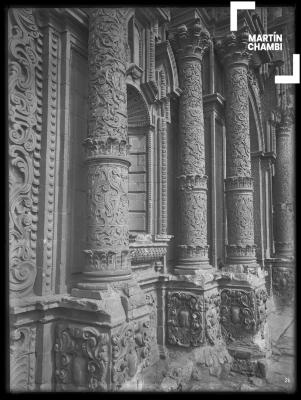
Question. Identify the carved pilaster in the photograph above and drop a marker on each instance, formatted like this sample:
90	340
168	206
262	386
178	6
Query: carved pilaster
107	251
239	184
25	123
190	43
23	359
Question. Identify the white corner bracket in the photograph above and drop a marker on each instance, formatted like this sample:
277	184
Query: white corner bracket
295	78
239	5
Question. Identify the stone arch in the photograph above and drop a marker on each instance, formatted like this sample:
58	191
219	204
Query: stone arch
137	107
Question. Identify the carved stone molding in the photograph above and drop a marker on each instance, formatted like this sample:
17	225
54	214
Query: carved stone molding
242	312
81	358
22	359
130	352
25	122
185	319
240	183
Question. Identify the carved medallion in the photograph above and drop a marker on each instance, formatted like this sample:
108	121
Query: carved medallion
185	321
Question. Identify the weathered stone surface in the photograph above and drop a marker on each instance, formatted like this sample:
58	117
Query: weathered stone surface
96	113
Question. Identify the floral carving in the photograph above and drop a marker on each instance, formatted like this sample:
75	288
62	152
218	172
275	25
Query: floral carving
242	312
107	216
107	69
25	93
22	359
192	182
212	318
240	217
130	348
237	117
185	320
81	358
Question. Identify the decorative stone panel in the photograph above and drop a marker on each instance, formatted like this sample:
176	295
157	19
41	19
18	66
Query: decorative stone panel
24	124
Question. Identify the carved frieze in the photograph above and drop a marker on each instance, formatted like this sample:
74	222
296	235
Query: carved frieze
81	358
22	359
146	254
185	319
130	351
242	312
25	121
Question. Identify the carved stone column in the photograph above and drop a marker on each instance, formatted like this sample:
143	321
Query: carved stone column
284	232
243	294
283	275
190	43
107	251
239	183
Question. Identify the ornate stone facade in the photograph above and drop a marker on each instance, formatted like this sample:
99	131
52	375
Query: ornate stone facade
141	142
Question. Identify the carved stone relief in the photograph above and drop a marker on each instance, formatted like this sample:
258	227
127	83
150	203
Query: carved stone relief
81	358
212	319
185	319
25	121
242	312
130	351
22	359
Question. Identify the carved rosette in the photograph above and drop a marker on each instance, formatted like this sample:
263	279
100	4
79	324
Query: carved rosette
190	43
284	208
81	358
131	349
107	251
185	319
238	184
25	122
243	312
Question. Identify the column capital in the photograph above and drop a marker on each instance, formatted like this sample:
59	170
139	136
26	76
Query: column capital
233	48
190	40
